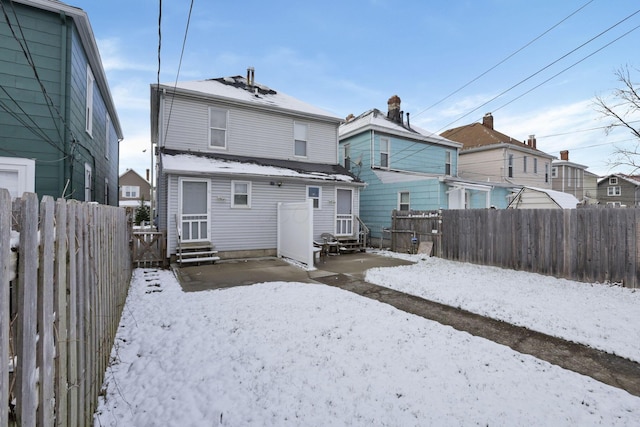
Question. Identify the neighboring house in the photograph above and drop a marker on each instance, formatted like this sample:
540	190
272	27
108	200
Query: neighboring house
406	168
618	190
229	150
59	126
542	198
489	155
568	177
134	189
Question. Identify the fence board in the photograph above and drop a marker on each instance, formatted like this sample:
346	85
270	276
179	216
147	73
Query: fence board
5	314
60	301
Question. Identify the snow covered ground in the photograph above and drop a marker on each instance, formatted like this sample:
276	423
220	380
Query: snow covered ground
276	354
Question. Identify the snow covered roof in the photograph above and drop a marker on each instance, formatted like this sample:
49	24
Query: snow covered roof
563	200
377	120
174	161
237	89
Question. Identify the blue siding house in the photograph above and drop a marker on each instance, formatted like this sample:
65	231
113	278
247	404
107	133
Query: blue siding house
59	126
406	168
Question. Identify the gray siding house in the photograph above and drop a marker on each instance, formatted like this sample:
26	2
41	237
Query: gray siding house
618	190
59	127
229	150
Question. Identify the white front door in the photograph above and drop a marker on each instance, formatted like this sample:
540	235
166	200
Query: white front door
194	210
344	212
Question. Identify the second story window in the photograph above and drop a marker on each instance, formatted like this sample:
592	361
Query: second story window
314	193
130	191
546	172
300	139
107	137
384	152
346	156
568	172
554	172
535	165
447	163
89	102
218	127
404	201
614	191
524	164
613	180
510	166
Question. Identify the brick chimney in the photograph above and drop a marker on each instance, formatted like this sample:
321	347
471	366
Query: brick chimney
531	142
487	121
564	155
394	109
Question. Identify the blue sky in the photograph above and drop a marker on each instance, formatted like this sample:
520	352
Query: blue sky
351	56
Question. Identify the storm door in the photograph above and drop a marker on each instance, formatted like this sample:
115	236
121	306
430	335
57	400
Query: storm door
194	210
344	212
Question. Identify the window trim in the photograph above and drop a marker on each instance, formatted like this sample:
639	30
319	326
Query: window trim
107	136
225	129
613	180
89	102
447	163
233	195
319	198
130	188
535	165
400	203
510	166
305	126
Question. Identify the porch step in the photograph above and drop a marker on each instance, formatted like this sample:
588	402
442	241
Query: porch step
199	259
196	252
349	245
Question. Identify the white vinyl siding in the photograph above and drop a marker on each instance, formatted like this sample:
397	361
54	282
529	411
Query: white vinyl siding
254	133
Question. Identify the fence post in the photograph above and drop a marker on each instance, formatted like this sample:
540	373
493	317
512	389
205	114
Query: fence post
5	315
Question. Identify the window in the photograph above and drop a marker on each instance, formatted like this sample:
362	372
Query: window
300	139
554	172
240	194
130	191
314	193
569	179
346	156
614	191
535	165
17	175
403	201
613	180
447	163
218	127
546	172
510	166
384	152
106	191
89	102
107	137
524	164
88	182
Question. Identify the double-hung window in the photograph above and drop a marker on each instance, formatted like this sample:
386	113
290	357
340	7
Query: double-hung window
107	137
314	193
240	194
300	139
404	201
384	152
510	166
535	165
130	191
447	163
218	120
524	164
89	102
614	191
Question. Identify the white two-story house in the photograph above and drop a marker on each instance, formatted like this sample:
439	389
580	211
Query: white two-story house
229	150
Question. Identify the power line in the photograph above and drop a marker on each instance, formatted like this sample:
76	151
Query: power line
504	60
538	72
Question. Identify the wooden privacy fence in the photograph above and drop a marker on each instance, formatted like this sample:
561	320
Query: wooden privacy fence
589	245
60	311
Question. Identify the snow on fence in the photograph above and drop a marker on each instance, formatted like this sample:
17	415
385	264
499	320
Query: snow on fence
60	311
586	244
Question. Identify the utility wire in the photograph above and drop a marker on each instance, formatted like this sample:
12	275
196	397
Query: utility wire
532	75
504	60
